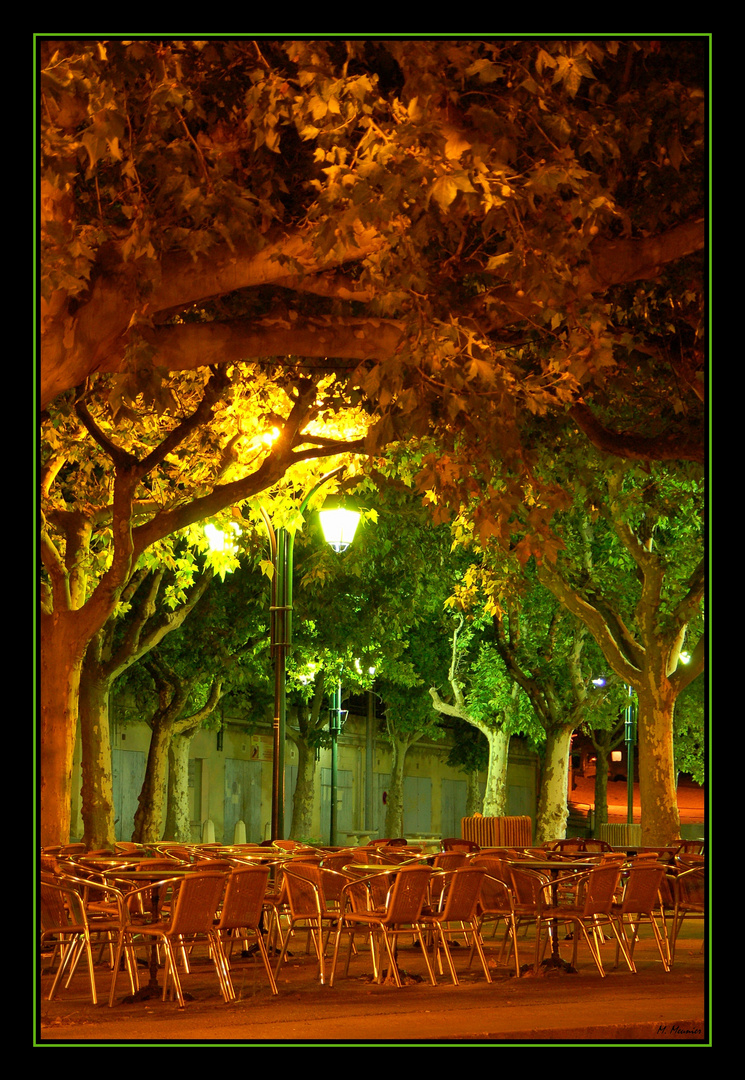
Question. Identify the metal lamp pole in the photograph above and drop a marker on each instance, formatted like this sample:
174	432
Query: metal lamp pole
334	729
280	630
629	727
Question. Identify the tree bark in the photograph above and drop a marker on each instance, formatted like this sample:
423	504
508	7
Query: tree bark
61	661
97	793
178	822
150	813
553	811
394	807
495	796
305	790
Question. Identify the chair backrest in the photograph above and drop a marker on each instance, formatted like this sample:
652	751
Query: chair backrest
456	843
461	893
197	899
591	844
600	889
449	860
493	865
689	887
642	889
527	886
243	902
573	844
155	864
690	847
407	896
61	908
494	896
304	889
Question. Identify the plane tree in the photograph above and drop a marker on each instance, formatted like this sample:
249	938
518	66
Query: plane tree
121	642
215	652
116	484
632	570
483	695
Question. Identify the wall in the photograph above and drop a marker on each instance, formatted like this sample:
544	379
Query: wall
230	779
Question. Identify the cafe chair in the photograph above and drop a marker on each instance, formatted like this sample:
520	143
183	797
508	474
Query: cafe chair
447	860
496	905
590	909
573	845
458	906
240	918
399	913
640	900
193	912
688	900
304	882
65	924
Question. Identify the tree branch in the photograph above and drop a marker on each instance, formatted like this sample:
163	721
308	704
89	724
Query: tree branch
637	447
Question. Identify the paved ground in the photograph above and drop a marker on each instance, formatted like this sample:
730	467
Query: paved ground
648	1008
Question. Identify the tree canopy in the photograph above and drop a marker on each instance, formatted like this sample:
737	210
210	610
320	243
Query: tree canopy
465	229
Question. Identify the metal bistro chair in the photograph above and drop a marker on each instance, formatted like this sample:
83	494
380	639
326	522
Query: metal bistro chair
65	923
459	900
496	905
240	917
639	901
197	897
304	882
688	900
401	913
590	909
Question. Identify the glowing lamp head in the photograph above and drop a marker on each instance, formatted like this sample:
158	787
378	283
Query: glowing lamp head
339	526
219	540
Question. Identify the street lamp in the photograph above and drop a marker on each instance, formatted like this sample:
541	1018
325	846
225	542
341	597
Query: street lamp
629	728
339	525
281	542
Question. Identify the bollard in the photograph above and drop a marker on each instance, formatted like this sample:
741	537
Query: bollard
208	832
239	833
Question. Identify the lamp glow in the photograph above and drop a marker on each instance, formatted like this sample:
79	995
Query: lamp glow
339	526
219	540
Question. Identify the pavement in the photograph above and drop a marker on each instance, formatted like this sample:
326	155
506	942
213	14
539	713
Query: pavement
579	1008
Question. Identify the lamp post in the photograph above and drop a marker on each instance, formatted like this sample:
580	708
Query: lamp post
338	532
629	730
335	726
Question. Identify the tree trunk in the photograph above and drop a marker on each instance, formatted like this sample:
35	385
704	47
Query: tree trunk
95	737
149	816
394	807
553	810
61	661
305	789
657	788
474	800
601	790
178	821
495	796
